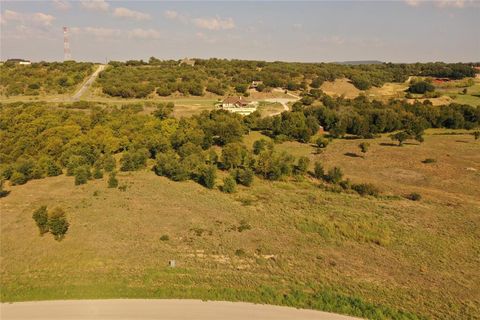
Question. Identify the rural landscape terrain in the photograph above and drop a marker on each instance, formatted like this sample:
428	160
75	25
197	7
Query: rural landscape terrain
212	160
349	188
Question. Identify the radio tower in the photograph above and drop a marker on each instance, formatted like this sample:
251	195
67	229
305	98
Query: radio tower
66	46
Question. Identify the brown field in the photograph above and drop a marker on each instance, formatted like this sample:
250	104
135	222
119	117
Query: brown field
340	87
421	257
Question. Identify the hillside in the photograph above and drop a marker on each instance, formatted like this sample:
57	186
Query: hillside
288	242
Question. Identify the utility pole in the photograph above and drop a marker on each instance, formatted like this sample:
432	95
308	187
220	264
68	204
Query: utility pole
66	45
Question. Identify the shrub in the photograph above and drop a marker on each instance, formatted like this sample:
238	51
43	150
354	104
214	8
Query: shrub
334	175
244	225
476	135
18	178
414	196
112	180
240	253
82	174
208	175
322	142
57	223
3	193
164	237
429	160
41	219
97	173
421	87
302	165
229	185
366	189
318	171
244	176
364	147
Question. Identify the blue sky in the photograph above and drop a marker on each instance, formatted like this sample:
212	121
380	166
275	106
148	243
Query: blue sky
321	31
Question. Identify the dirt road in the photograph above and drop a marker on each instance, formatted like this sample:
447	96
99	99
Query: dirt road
283	101
156	309
87	83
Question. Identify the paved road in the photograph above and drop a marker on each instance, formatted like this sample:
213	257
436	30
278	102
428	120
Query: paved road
88	83
156	309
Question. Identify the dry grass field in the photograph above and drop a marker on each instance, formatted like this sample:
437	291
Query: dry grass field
340	87
288	242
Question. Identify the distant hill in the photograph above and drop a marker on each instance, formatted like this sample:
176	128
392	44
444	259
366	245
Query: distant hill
361	62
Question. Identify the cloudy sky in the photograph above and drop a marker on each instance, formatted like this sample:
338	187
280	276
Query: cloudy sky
396	31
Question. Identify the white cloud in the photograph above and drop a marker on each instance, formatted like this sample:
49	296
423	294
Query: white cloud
61	4
43	19
9	15
96	5
130	14
214	23
170	14
144	34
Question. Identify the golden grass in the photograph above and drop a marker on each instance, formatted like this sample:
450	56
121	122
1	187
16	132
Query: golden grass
418	256
340	87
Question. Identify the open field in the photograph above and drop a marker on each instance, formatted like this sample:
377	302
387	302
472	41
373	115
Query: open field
305	247
340	87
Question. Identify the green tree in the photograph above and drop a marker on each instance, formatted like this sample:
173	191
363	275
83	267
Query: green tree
302	165
318	170
163	110
233	155
57	223
41	219
244	176
112	180
229	185
334	175
97	172
401	137
322	142
208	175
82	174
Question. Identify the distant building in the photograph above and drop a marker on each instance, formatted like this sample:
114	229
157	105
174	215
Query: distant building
238	105
19	61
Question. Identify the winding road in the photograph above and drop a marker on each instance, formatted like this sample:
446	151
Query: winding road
283	101
87	83
171	309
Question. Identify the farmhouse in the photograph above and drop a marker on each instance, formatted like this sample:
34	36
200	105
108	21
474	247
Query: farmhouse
238	105
19	62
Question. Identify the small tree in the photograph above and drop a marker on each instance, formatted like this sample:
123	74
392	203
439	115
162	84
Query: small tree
41	219
57	223
82	174
229	184
112	180
476	135
318	170
302	165
322	142
244	176
334	175
364	147
401	137
208	175
97	173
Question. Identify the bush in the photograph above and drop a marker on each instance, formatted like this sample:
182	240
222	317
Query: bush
429	160
164	238
82	174
57	223
18	178
414	196
229	185
318	171
3	193
97	173
112	180
302	165
421	87
322	142
244	176
334	175
41	219
366	189
208	175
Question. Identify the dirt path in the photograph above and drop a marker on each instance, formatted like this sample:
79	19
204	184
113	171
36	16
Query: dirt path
87	83
157	309
283	101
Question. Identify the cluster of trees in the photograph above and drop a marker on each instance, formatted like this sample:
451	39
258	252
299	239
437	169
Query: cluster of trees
53	221
42	77
138	79
362	117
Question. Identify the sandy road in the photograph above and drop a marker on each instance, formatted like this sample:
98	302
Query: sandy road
173	309
87	83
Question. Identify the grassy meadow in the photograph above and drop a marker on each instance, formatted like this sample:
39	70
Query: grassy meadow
288	242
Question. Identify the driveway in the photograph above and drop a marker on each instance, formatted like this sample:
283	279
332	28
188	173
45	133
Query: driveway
87	83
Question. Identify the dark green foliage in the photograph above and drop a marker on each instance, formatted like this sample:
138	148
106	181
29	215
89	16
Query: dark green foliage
168	164
414	196
112	180
302	165
401	137
82	174
57	223
164	237
108	162
244	176
97	173
476	135
334	175
41	219
364	146
259	146
133	160
272	165
361	83
18	178
163	110
244	225
322	142
421	87
229	184
318	171
233	155
208	175
366	189
429	160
